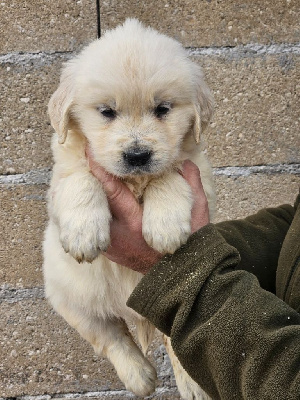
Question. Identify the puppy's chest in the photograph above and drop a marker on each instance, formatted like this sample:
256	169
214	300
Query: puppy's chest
138	185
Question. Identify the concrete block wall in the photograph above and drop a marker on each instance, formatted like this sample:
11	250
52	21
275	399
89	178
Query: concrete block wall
250	53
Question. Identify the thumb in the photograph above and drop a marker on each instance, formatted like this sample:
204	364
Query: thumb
192	175
200	211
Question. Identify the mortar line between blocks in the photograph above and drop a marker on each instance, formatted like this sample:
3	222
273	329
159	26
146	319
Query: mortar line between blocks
272	169
87	395
42	176
13	295
238	51
247	50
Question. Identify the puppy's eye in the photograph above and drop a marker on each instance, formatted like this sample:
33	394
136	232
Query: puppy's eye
107	112
162	110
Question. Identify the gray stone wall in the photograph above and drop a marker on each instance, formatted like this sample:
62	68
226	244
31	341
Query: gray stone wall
250	53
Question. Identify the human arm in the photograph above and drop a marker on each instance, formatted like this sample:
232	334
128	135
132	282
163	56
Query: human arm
259	239
235	339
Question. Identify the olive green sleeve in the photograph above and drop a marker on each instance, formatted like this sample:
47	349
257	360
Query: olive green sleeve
259	239
235	339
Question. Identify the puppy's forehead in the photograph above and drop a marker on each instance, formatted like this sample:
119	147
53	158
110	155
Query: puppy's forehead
150	67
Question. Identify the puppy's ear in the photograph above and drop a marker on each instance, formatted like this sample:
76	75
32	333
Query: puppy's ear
59	107
204	104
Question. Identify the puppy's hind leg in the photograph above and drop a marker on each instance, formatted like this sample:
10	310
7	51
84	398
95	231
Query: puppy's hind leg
188	388
134	370
145	333
110	338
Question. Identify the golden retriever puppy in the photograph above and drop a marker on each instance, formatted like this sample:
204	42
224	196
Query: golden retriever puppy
141	105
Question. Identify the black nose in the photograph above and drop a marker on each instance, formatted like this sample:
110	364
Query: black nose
137	157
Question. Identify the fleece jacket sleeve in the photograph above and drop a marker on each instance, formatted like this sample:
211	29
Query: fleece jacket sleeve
258	239
236	340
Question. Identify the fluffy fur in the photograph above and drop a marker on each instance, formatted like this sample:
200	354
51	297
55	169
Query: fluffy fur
141	104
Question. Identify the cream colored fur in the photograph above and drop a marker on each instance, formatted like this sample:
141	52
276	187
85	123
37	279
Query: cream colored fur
131	71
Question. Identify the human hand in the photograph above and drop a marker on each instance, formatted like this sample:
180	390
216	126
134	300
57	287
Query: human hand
127	245
200	210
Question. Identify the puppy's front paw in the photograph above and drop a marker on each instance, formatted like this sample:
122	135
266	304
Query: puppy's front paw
167	230
167	213
86	234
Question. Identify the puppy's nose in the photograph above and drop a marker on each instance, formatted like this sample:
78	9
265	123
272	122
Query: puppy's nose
137	157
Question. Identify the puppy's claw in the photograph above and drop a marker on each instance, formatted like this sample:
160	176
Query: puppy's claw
82	258
89	260
87	257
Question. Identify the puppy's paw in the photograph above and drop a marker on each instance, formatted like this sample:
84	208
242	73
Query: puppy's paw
168	230
168	203
86	234
139	377
189	389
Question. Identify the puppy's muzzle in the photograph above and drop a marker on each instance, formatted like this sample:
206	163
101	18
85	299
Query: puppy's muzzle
137	157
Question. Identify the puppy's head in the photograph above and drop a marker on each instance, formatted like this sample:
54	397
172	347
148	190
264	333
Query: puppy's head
136	97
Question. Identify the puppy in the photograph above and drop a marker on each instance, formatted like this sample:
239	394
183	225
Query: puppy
141	105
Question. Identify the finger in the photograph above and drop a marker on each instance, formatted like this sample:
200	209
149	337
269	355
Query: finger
191	174
200	212
122	202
